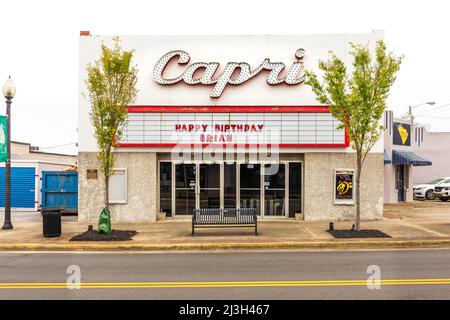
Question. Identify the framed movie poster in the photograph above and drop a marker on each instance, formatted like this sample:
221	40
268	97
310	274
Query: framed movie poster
344	180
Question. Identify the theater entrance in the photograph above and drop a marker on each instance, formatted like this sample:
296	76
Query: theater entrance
275	190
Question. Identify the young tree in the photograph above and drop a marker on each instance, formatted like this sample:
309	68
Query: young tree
357	100
111	83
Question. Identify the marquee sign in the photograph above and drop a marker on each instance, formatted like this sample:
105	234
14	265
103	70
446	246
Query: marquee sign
170	126
226	77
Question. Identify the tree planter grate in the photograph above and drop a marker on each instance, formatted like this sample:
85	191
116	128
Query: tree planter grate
366	233
115	235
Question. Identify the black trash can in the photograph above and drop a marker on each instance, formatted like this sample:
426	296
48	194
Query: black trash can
51	222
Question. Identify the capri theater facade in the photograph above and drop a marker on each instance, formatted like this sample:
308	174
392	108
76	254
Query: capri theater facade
226	122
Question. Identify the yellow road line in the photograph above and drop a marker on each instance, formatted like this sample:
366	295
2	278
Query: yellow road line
221	284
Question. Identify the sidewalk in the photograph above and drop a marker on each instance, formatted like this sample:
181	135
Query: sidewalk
420	224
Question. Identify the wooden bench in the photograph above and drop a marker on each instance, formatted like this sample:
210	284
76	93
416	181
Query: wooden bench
229	217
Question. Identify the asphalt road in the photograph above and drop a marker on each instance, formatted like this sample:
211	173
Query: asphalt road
405	274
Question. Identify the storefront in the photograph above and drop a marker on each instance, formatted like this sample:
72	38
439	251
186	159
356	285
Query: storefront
207	132
399	158
224	185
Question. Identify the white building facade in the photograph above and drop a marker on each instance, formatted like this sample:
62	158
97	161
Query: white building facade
227	121
432	146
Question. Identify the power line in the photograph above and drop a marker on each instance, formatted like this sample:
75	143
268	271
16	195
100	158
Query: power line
61	145
432	117
434	109
434	121
444	113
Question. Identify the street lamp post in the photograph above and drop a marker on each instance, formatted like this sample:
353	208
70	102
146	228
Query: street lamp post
9	91
411	118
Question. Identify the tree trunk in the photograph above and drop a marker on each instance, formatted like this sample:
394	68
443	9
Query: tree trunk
107	193
358	190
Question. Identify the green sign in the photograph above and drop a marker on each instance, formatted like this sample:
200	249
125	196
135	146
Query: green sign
3	138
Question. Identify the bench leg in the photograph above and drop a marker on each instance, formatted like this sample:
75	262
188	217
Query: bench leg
256	229
192	230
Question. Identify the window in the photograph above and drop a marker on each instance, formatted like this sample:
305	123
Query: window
436	181
118	186
274	189
295	188
229	192
250	180
165	188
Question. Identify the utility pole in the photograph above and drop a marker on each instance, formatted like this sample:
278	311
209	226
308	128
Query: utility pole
411	118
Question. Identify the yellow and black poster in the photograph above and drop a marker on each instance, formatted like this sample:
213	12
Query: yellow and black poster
344	185
401	134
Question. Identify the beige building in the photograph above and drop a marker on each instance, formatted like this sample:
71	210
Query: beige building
25	151
210	133
27	167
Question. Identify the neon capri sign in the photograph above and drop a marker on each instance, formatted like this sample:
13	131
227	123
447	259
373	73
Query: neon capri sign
228	75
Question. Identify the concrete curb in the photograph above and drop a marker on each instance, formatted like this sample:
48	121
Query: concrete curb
394	244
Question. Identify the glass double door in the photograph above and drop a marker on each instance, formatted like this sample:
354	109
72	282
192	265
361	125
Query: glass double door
196	191
266	182
273	189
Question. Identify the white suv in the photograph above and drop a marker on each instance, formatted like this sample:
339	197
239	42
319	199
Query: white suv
442	191
427	190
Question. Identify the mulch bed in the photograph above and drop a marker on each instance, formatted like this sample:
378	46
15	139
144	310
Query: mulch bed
367	233
115	235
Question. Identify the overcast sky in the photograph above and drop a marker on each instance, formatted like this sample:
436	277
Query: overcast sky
39	47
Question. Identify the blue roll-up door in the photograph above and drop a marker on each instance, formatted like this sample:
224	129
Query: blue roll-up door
23	185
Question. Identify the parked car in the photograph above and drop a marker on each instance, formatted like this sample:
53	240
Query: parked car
427	190
442	191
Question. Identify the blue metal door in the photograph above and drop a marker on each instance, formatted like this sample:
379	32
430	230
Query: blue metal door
23	188
60	190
